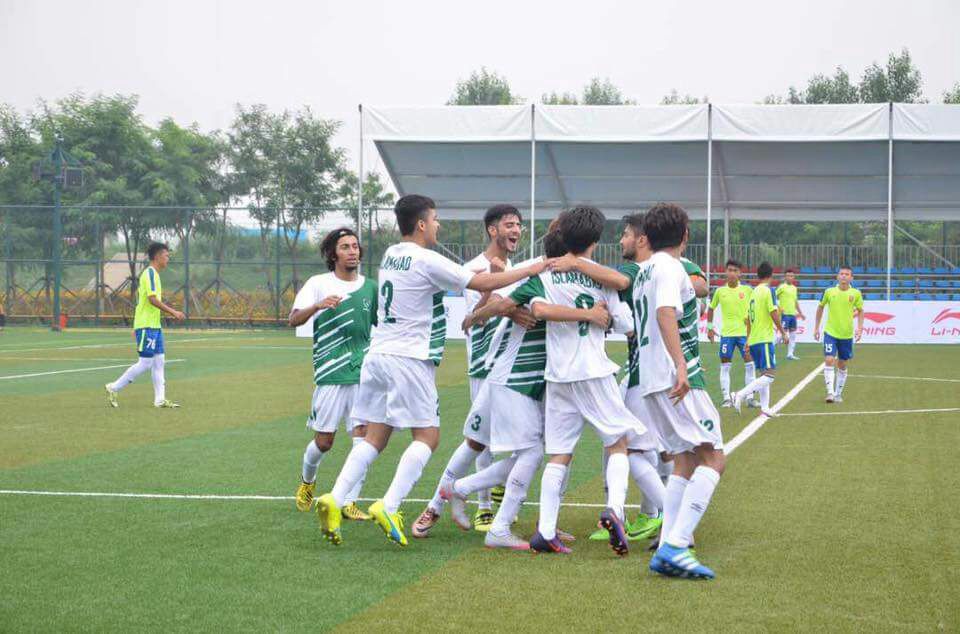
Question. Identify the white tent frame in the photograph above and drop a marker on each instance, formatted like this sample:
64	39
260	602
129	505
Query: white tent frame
912	131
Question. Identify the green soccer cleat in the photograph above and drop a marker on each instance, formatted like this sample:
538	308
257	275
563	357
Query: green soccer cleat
483	520
166	404
497	493
390	523
644	527
111	396
599	535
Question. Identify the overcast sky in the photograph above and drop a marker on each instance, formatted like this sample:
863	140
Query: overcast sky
194	60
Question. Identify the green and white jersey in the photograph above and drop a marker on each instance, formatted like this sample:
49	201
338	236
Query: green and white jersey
411	320
480	336
663	282
520	358
341	335
575	350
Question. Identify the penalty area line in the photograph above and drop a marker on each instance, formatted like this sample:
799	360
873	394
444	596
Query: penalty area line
879	412
238	497
758	422
100	367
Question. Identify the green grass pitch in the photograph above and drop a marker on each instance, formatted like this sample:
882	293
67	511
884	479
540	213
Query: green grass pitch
821	522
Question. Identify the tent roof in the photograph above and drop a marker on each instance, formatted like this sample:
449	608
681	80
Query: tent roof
787	162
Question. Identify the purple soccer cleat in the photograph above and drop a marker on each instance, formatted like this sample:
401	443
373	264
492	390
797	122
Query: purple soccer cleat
618	536
539	544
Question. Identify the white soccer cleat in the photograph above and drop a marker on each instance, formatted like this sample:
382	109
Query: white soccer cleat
508	541
837	398
737	401
831	398
458	507
726	402
754	403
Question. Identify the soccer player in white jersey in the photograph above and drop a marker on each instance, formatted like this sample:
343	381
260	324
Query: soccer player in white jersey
397	381
503	224
672	381
581	382
336	309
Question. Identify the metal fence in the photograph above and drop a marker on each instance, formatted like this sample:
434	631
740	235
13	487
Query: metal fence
243	266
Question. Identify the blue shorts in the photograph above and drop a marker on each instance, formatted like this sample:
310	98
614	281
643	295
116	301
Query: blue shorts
149	341
764	356
789	322
841	348
730	344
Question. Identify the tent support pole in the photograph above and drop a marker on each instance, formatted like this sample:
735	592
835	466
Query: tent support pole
889	198
360	176
533	180
709	184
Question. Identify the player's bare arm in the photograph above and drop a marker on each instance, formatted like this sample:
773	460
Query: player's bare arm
522	316
711	335
670	331
173	312
496	306
775	316
604	275
484	282
816	324
597	314
700	286
299	316
859	332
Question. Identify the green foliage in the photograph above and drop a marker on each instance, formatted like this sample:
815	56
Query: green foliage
952	95
602	92
836	89
900	81
674	99
483	88
559	99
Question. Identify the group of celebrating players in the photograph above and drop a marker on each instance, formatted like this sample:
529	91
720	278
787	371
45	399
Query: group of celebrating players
538	371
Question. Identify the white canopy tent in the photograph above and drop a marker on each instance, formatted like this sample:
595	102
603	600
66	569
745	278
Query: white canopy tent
787	162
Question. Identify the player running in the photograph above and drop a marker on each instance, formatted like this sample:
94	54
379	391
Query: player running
342	306
762	317
733	298
790	310
147	330
503	224
674	387
842	302
397	381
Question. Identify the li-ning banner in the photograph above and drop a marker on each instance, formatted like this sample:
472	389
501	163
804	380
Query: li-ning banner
884	322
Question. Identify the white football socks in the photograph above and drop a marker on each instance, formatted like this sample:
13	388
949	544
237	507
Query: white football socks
412	462
749	376
791	342
484	460
130	374
828	377
618	472
550	486
159	382
676	485
456	468
311	462
648	481
518	482
696	499
492	476
755	385
725	380
354	470
355	491
841	381
765	395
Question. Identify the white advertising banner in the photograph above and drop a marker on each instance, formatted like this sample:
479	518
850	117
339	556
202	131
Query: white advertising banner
884	322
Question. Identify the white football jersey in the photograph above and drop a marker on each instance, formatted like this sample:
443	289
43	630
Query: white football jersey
575	350
411	321
480	336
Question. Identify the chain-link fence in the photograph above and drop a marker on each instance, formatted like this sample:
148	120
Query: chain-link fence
243	266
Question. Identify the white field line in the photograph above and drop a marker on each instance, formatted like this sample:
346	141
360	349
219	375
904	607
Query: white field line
101	367
129	343
758	422
878	412
84	359
904	378
224	497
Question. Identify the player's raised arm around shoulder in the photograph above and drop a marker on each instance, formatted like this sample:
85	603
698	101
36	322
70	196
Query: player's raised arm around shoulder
597	314
603	275
492	281
495	306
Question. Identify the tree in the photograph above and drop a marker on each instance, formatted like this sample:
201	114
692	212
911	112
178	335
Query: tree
952	95
558	99
603	93
900	81
836	89
483	88
375	195
674	99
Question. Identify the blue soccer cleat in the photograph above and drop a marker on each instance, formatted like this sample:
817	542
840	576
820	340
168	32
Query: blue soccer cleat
540	544
672	561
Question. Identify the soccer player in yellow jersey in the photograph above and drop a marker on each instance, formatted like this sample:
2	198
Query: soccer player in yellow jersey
789	310
147	330
843	302
763	316
733	298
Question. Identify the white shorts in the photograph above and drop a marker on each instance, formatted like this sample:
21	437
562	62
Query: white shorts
516	420
477	425
597	401
475	385
681	428
633	399
397	391
330	405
